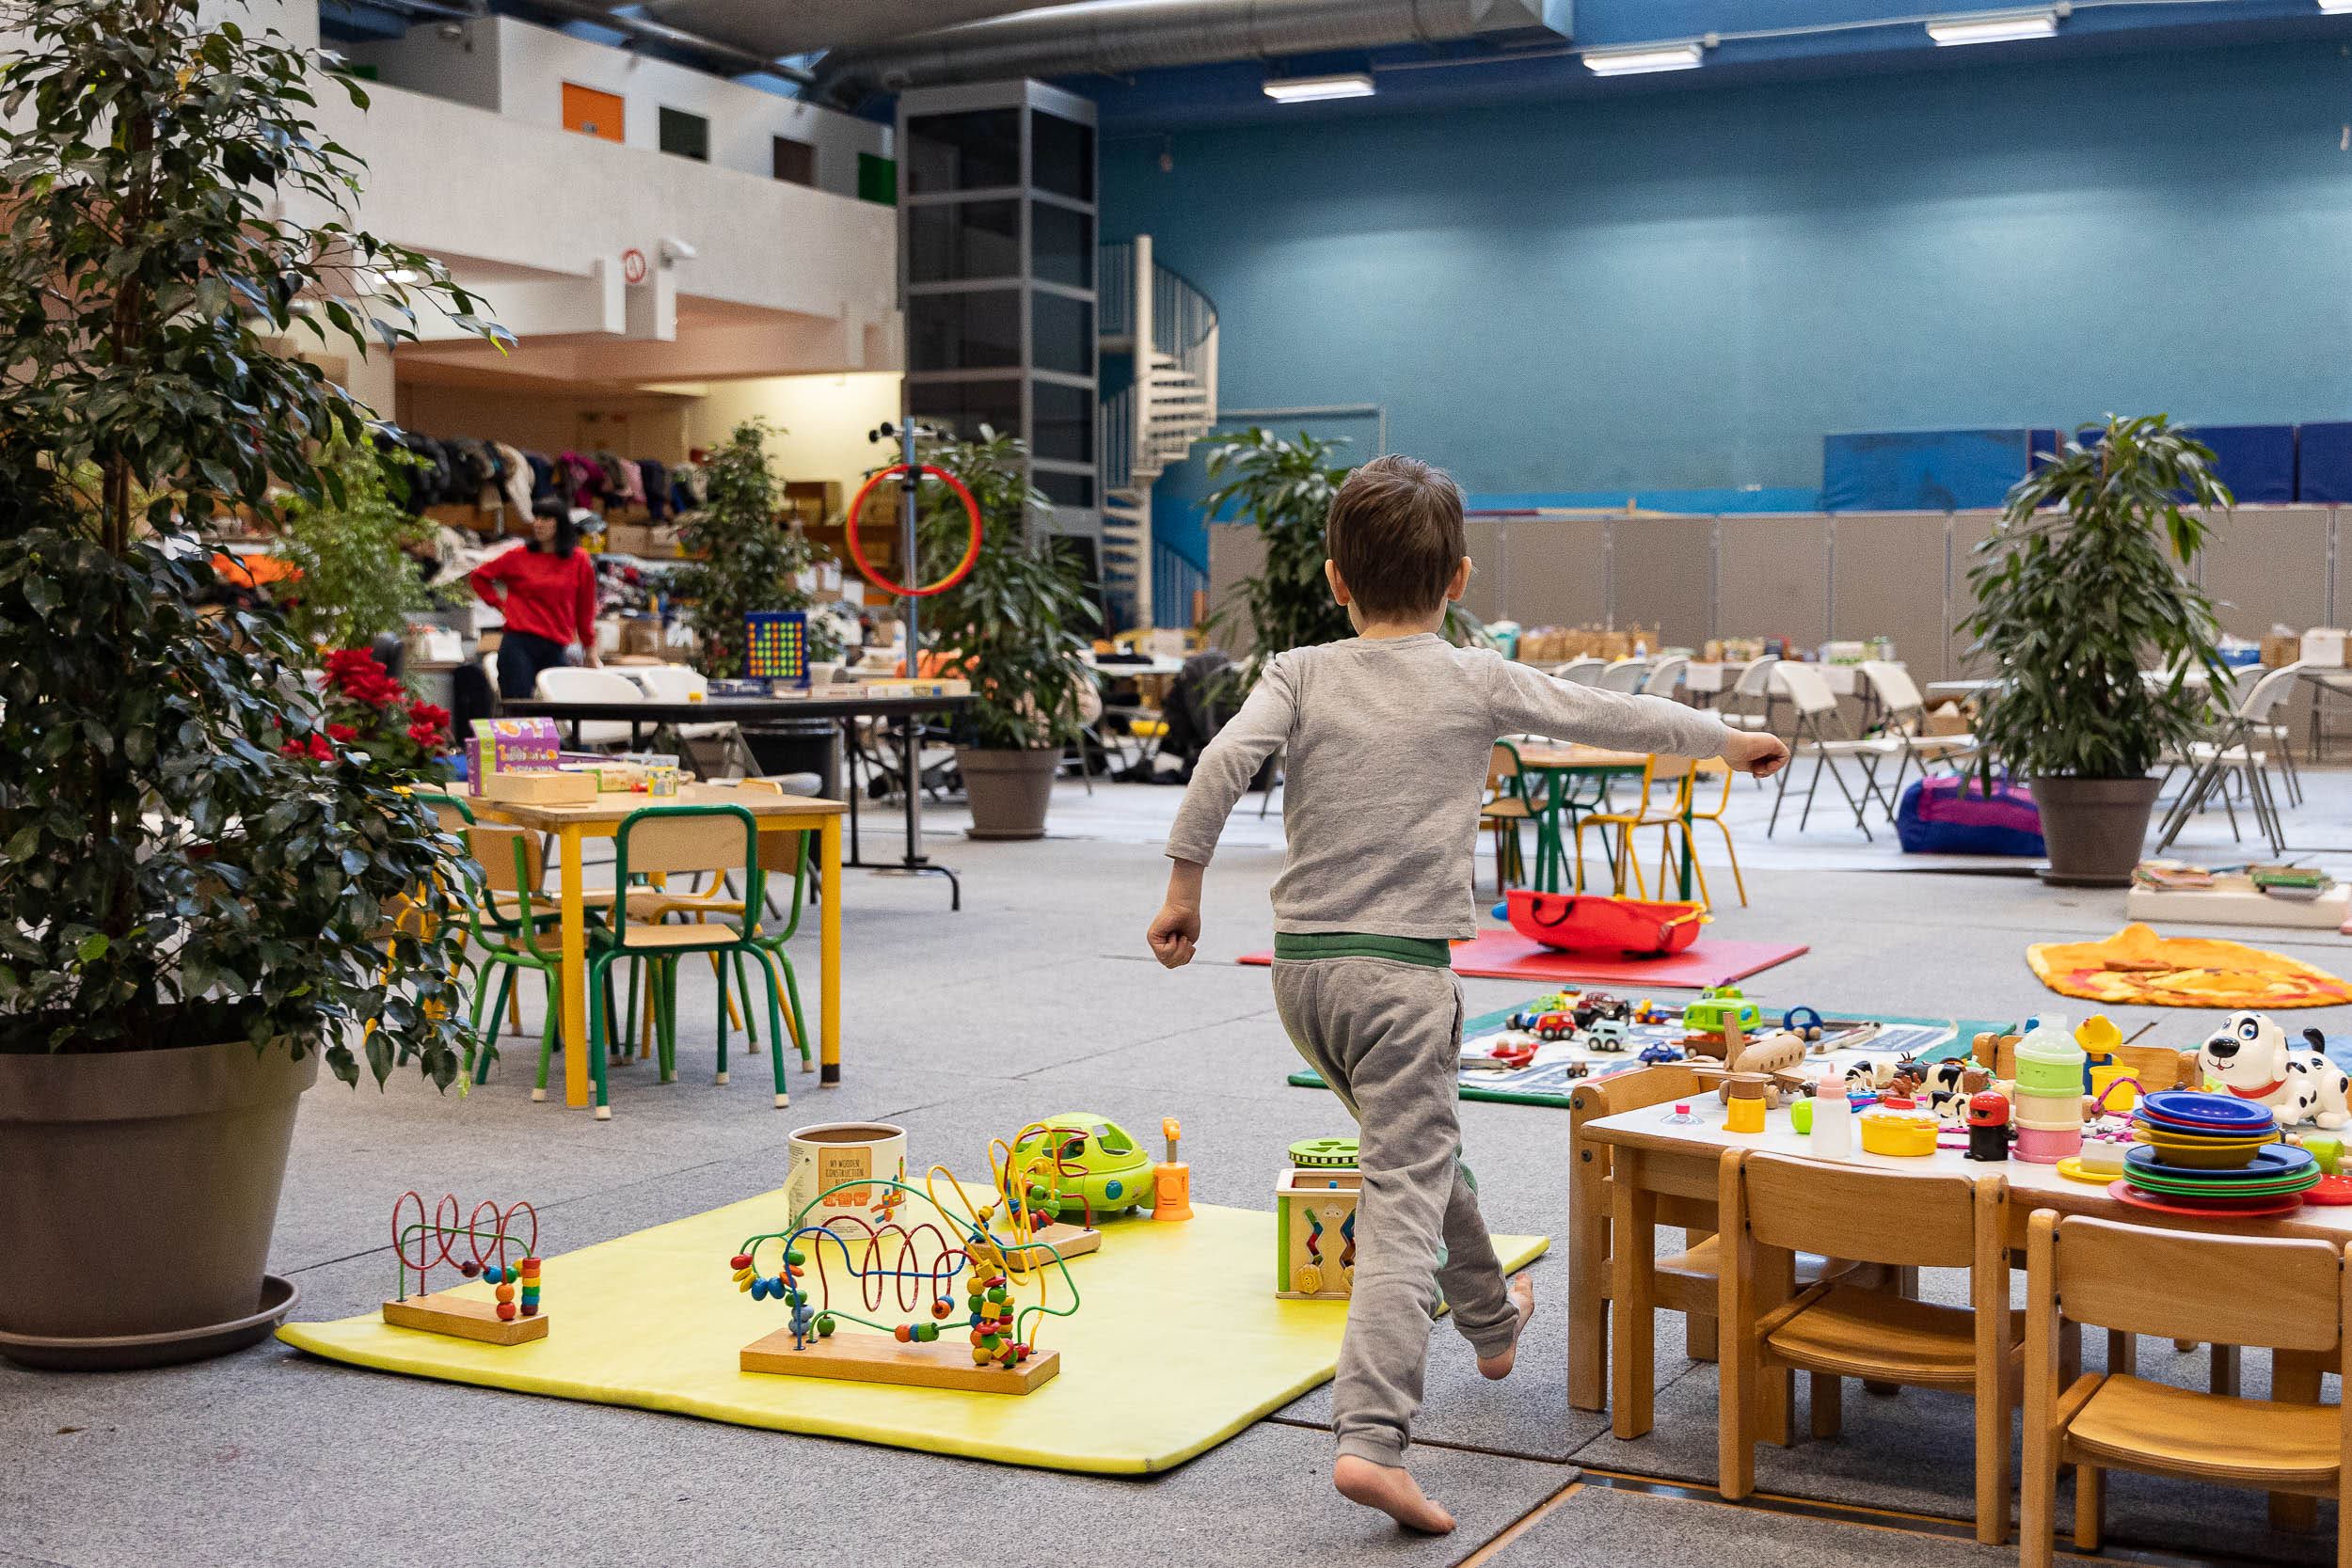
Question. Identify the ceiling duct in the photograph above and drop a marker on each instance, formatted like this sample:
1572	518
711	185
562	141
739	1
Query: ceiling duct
770	28
1115	37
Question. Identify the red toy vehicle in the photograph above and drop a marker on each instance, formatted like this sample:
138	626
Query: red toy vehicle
1554	1026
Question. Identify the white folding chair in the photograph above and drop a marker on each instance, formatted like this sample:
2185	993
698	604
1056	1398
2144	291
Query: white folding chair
1665	677
570	682
2232	749
675	683
1749	703
1906	718
1581	671
1821	730
1626	676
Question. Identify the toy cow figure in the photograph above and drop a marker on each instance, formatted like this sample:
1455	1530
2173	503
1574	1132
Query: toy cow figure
2249	1057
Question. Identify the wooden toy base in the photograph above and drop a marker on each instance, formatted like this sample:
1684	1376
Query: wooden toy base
464	1318
1068	1241
860	1357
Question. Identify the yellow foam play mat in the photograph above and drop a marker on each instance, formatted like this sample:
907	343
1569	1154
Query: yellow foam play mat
1179	1342
2137	967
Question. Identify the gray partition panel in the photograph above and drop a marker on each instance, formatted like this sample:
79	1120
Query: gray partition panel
1235	552
2269	564
1490	569
1662	572
1886	579
1553	571
1771	578
1969	528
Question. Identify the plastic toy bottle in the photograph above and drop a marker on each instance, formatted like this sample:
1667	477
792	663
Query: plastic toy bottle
1833	1119
1171	1182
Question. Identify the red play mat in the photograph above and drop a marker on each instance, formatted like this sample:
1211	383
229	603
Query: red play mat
1508	956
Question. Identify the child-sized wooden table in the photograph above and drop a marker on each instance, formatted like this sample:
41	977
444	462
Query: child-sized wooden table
1634	1171
574	825
1557	764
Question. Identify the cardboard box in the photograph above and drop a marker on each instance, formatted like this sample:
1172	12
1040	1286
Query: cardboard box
628	538
2324	646
2281	648
1946	719
640	638
551	788
501	746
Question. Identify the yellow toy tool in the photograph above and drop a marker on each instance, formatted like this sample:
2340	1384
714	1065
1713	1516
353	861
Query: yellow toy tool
1171	1182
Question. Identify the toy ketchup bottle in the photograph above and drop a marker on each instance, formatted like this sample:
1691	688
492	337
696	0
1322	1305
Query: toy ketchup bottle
1833	1119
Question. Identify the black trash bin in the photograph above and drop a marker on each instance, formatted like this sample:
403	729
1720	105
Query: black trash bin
799	746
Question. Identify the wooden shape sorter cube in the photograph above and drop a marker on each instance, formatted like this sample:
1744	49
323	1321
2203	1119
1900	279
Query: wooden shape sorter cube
1315	1213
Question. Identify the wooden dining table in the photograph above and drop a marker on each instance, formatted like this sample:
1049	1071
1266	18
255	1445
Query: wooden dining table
573	825
1661	1172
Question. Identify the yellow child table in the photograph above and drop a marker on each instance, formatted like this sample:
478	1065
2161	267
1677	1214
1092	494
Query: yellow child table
574	825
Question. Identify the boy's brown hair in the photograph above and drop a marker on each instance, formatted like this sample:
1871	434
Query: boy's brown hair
1395	532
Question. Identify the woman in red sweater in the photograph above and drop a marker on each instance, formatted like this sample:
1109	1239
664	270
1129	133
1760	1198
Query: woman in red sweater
547	588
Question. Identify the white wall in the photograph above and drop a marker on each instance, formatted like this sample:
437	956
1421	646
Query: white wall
518	70
824	420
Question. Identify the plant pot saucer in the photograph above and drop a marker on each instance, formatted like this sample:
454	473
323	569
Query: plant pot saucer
2054	879
123	1352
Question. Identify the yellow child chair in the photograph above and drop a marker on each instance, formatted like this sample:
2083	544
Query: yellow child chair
1647	813
1686	813
659	841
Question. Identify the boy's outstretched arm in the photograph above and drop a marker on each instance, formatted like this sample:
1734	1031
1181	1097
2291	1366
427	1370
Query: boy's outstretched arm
1220	778
1528	700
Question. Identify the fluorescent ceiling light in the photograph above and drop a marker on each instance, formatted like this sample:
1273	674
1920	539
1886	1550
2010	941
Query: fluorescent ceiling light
1994	27
1312	90
1634	63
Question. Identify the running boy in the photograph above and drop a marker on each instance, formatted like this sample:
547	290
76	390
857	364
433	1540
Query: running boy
1387	740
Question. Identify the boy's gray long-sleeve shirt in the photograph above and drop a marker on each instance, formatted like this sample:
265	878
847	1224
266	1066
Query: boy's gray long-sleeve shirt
1387	742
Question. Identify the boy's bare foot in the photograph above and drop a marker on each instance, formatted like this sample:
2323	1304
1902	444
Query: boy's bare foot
1522	1297
1393	1490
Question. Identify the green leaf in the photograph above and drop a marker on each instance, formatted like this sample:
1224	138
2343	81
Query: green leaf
93	947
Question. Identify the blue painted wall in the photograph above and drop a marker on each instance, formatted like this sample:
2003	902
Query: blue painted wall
1687	288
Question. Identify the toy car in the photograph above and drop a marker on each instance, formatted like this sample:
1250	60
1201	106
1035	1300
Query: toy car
1605	1035
1706	1016
1601	1005
1553	1026
1646	1011
1094	1158
1804	1022
1653	1054
1577	1069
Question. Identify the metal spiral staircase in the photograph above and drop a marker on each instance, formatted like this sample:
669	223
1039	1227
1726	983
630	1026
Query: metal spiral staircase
1170	327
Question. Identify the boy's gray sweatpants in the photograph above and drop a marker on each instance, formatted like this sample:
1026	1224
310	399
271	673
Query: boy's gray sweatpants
1388	1038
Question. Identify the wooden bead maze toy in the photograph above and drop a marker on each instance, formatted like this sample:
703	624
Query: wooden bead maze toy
987	1344
493	1252
1037	1182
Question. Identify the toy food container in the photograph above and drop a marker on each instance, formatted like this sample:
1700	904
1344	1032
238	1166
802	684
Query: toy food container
1903	1132
2049	1061
2054	1112
844	1169
2047	1146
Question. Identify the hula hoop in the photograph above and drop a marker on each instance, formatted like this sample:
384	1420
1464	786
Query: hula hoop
963	568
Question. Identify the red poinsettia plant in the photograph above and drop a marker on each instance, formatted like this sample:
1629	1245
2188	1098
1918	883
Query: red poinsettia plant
367	708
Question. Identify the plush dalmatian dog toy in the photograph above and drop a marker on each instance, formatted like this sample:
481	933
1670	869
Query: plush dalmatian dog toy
2249	1057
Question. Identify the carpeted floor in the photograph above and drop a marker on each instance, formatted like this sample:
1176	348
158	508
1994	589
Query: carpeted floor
1036	998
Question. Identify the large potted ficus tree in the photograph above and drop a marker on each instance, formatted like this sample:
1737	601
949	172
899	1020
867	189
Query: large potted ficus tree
202	892
747	558
1015	626
2084	585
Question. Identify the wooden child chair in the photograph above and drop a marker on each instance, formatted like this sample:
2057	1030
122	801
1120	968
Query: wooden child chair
2294	1296
1680	1282
1506	806
1837	1330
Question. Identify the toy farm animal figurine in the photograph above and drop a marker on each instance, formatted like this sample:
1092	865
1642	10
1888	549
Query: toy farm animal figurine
2249	1057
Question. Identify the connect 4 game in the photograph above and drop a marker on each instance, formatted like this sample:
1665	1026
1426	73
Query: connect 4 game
776	645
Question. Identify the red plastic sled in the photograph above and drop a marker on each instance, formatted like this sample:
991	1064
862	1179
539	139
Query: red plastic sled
1595	922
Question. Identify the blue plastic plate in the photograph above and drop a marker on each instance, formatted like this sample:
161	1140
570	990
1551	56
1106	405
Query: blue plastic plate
2192	1112
2273	1163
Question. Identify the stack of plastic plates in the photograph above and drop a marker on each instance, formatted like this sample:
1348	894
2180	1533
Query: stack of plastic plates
2212	1154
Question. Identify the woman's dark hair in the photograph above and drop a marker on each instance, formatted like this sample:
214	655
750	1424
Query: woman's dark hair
566	531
